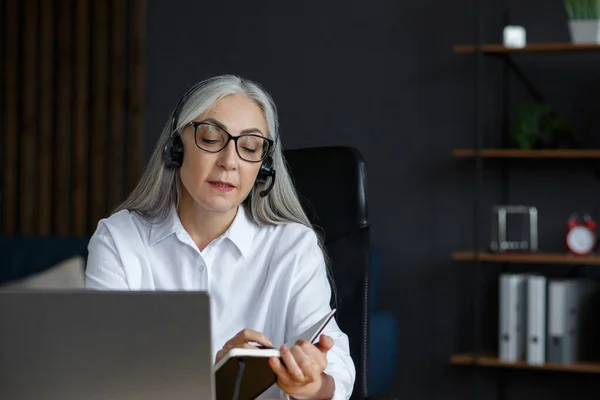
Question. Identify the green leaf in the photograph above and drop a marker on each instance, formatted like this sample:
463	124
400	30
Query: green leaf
582	9
534	120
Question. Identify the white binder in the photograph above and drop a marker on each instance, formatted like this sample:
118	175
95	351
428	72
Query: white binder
568	340
557	324
536	319
512	314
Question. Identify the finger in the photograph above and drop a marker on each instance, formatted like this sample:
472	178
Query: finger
250	335
325	343
291	364
314	353
220	354
227	348
308	367
280	370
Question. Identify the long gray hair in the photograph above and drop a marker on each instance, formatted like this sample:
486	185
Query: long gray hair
158	190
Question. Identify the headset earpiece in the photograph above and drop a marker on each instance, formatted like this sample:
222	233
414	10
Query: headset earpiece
266	171
173	152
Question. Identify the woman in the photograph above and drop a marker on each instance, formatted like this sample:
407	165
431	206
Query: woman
216	211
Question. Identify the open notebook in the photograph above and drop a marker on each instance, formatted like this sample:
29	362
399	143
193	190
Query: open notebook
256	376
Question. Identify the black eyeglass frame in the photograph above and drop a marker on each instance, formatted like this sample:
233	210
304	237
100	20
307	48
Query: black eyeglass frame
230	137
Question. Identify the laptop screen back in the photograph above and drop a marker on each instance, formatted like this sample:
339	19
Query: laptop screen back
105	345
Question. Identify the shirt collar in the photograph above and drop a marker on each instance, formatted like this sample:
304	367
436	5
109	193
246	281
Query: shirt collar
240	233
162	230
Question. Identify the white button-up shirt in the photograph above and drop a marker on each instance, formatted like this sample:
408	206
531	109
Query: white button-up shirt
271	279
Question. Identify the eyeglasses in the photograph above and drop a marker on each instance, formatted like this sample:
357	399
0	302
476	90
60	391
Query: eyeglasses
212	138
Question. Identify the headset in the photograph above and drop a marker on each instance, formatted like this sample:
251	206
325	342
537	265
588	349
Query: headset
173	150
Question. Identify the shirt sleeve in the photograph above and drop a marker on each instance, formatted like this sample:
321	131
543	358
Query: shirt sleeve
309	301
104	270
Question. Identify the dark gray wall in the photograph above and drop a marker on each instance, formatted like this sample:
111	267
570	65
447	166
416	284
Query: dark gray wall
381	76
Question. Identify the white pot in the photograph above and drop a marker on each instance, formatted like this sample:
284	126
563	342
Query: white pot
585	31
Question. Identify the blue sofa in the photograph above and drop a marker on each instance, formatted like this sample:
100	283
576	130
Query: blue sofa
21	256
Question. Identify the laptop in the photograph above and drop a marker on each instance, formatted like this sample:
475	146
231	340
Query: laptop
98	345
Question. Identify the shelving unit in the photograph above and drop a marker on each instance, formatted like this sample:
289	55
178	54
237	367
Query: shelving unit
527	258
517	153
479	256
530	48
491	360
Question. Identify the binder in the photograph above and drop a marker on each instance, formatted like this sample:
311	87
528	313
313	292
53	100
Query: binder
536	319
557	300
512	314
567	301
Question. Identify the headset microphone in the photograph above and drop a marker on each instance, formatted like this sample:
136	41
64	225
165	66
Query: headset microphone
266	171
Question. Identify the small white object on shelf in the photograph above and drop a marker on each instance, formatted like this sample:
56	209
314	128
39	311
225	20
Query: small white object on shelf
514	36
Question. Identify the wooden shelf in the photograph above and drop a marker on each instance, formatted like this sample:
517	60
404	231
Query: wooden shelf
493	361
517	153
530	48
529	258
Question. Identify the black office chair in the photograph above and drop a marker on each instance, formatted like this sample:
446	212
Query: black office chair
332	185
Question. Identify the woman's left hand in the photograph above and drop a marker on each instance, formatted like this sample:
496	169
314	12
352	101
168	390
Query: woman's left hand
301	373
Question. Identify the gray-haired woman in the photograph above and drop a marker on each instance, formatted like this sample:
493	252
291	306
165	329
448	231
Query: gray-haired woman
215	210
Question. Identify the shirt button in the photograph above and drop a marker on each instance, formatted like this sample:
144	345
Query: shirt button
201	267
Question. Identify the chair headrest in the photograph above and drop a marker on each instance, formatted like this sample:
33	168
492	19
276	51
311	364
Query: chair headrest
332	185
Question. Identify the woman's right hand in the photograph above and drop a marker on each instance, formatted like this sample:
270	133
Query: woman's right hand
241	340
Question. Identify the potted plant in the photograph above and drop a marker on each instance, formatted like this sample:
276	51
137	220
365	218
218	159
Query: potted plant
584	20
536	126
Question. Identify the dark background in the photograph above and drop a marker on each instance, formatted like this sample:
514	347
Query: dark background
381	76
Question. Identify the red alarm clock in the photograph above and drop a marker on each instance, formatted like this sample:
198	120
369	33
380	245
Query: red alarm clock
580	235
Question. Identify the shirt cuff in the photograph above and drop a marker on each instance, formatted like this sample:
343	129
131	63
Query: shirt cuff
283	396
339	392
